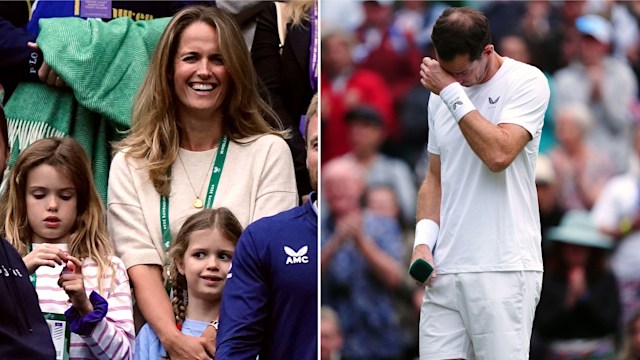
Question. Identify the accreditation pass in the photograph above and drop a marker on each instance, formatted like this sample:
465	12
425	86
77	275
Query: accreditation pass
60	334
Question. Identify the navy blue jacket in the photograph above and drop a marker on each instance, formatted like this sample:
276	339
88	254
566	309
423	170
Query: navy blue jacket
270	302
24	334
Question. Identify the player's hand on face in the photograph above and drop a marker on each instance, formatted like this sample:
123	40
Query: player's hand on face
433	77
44	255
423	252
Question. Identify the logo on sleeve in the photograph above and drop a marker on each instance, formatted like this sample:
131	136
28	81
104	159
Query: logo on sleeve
230	274
297	257
491	101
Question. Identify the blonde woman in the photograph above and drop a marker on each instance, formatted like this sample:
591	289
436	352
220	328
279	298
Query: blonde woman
198	139
285	54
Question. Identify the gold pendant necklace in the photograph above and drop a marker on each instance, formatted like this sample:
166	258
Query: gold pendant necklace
197	202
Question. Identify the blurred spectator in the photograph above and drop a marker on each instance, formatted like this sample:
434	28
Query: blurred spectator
515	47
344	87
617	213
634	54
503	16
330	334
341	15
382	200
542	28
579	309
603	83
631	338
566	38
582	169
366	134
289	71
384	48
548	203
624	25
412	115
417	18
361	266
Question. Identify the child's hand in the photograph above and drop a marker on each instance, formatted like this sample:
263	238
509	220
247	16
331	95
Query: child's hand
72	281
44	255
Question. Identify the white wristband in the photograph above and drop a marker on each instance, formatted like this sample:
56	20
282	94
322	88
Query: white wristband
426	233
456	100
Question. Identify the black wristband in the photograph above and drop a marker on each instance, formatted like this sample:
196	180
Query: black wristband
35	61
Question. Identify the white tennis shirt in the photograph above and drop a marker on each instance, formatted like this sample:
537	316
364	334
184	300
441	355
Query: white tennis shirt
490	221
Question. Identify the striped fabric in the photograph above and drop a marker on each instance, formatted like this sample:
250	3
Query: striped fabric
114	336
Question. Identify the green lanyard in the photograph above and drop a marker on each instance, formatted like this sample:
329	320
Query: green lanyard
211	193
33	277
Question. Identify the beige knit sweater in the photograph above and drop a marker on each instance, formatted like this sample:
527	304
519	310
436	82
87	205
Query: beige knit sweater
257	180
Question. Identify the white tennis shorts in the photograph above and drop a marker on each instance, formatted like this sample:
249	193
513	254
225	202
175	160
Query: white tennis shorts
483	316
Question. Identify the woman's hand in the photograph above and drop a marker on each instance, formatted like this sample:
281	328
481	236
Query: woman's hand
72	281
44	255
184	347
209	335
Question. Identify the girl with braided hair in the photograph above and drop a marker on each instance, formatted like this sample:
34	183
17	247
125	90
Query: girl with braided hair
200	260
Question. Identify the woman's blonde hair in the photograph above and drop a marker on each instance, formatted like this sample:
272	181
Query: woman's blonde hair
155	131
299	10
89	237
221	219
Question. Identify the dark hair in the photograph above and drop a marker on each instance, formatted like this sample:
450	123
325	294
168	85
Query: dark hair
460	31
363	115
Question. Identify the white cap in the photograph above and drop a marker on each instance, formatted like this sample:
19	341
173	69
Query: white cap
596	26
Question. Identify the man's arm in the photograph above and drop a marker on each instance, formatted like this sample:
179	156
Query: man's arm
428	209
496	145
430	192
15	52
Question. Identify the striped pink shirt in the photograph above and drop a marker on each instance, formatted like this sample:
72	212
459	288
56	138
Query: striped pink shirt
114	336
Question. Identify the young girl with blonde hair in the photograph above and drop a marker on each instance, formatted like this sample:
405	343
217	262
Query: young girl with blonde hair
200	260
52	214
